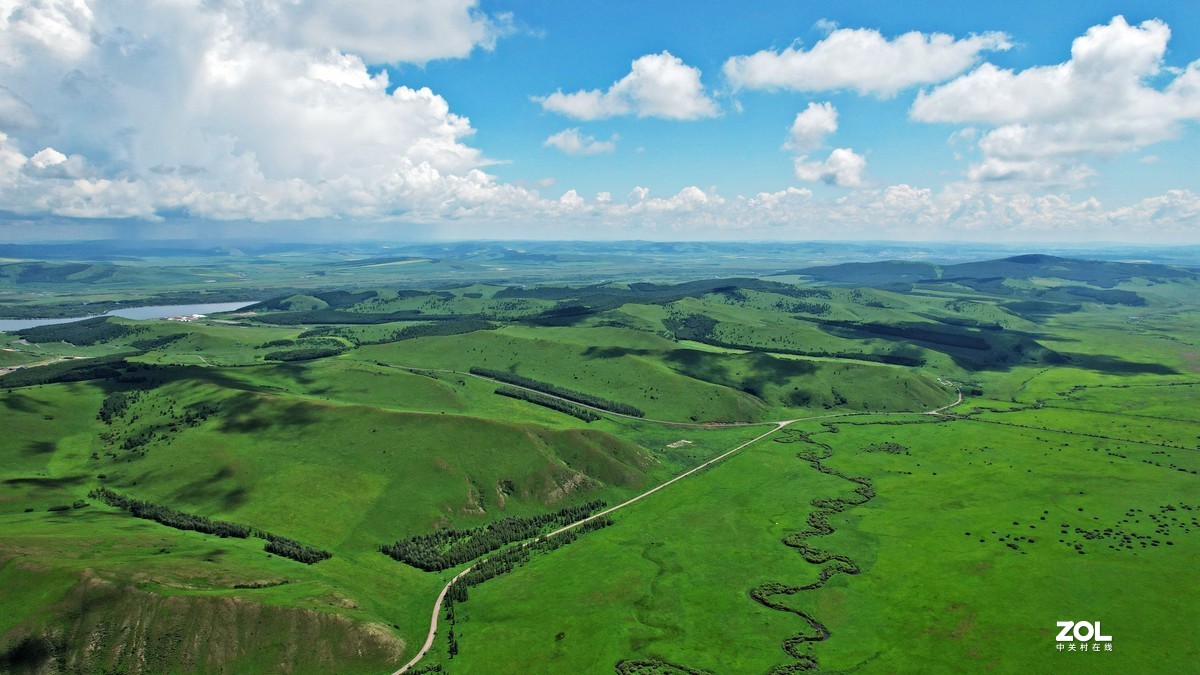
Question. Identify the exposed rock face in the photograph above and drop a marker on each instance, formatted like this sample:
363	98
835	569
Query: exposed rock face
100	626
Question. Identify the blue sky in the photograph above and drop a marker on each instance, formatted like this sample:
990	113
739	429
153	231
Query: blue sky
461	119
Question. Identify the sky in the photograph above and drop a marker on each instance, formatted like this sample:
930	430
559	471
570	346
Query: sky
1066	122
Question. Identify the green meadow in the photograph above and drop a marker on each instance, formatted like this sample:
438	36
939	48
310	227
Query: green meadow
354	406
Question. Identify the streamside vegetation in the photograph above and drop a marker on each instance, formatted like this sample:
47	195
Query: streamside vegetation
555	390
444	549
832	563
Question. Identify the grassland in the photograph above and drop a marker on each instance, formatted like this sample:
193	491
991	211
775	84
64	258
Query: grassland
866	537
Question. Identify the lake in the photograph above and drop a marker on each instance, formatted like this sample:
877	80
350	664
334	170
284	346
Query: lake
140	313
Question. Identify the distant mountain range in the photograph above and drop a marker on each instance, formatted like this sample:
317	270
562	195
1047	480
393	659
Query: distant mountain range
1104	274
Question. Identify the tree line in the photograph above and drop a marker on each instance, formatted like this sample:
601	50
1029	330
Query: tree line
949	336
700	328
509	559
140	508
156	342
443	549
549	402
170	517
80	333
440	326
304	353
555	390
290	548
75	370
503	563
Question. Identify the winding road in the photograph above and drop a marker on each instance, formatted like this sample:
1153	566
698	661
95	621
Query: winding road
437	605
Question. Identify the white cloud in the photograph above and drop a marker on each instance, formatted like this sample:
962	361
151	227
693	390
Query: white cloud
862	60
1049	119
811	126
58	29
47	157
572	142
386	31
959	211
214	110
826	26
571	200
843	168
228	111
658	85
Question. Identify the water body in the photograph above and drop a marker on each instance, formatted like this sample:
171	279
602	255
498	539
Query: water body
140	313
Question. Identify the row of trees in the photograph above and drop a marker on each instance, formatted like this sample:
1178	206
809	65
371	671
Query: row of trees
555	390
170	517
290	548
949	336
140	508
444	549
549	402
509	559
304	353
503	563
442	326
700	328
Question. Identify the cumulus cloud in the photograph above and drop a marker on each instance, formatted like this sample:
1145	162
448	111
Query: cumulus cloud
572	142
843	168
386	31
811	126
234	111
862	60
1047	120
658	85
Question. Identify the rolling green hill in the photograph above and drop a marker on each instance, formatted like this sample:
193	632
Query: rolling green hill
875	525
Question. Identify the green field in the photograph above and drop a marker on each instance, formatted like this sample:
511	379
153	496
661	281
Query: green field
355	408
